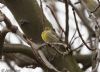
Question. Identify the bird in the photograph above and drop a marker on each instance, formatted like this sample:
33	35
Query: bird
49	35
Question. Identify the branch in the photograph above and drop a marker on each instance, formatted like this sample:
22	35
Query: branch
86	22
80	33
41	57
67	21
55	46
18	53
54	15
18	48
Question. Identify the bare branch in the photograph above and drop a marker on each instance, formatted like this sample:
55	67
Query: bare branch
67	20
41	57
56	19
80	33
86	22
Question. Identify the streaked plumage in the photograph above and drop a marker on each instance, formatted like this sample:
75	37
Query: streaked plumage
49	36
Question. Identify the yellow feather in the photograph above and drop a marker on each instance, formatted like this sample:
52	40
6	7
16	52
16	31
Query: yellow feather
49	36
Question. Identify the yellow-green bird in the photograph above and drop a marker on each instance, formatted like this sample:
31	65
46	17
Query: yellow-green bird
49	36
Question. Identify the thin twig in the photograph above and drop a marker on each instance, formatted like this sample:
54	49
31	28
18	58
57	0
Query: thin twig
86	22
72	37
96	7
56	19
74	40
80	33
80	46
91	15
67	21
